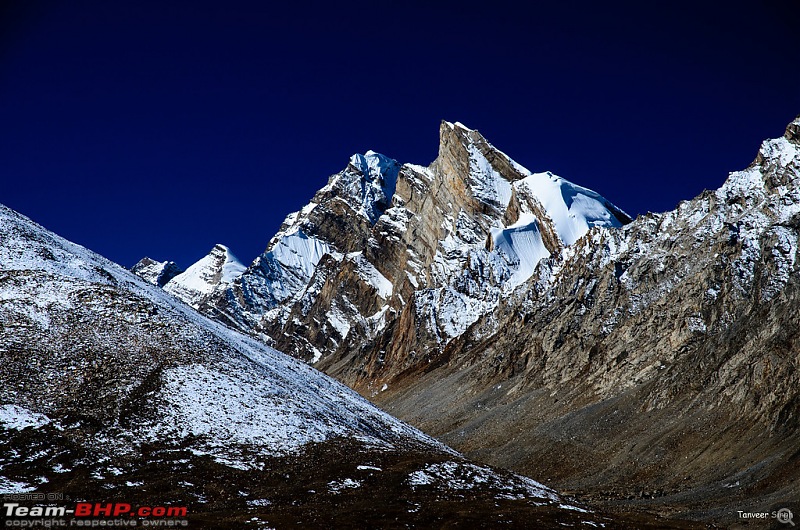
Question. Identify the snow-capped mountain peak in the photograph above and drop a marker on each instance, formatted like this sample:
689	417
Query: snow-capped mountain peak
329	225
494	177
573	209
215	271
375	165
453	237
529	216
456	124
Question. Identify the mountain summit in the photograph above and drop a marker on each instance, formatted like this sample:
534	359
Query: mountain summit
386	248
213	273
156	272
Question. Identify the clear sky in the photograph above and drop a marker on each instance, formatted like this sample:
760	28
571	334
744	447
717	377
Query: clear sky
160	128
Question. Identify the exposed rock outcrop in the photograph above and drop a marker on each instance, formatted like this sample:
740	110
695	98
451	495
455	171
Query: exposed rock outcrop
156	272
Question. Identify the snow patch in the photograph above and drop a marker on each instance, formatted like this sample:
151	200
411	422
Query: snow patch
18	418
339	322
465	476
572	208
8	486
486	183
522	247
337	486
371	275
378	185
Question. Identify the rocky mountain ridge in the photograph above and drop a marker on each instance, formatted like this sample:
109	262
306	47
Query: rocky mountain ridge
444	242
659	360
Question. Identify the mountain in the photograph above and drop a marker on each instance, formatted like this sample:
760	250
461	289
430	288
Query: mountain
156	272
213	273
645	365
335	224
384	244
113	391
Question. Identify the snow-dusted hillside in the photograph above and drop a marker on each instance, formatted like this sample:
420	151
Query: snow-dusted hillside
212	382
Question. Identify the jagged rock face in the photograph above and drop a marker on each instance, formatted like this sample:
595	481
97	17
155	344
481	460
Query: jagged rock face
460	236
656	360
338	220
212	274
111	390
156	272
389	263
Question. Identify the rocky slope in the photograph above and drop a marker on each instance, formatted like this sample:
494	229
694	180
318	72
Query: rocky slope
658	362
113	390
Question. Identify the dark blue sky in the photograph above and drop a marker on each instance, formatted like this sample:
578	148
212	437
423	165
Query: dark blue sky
160	128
